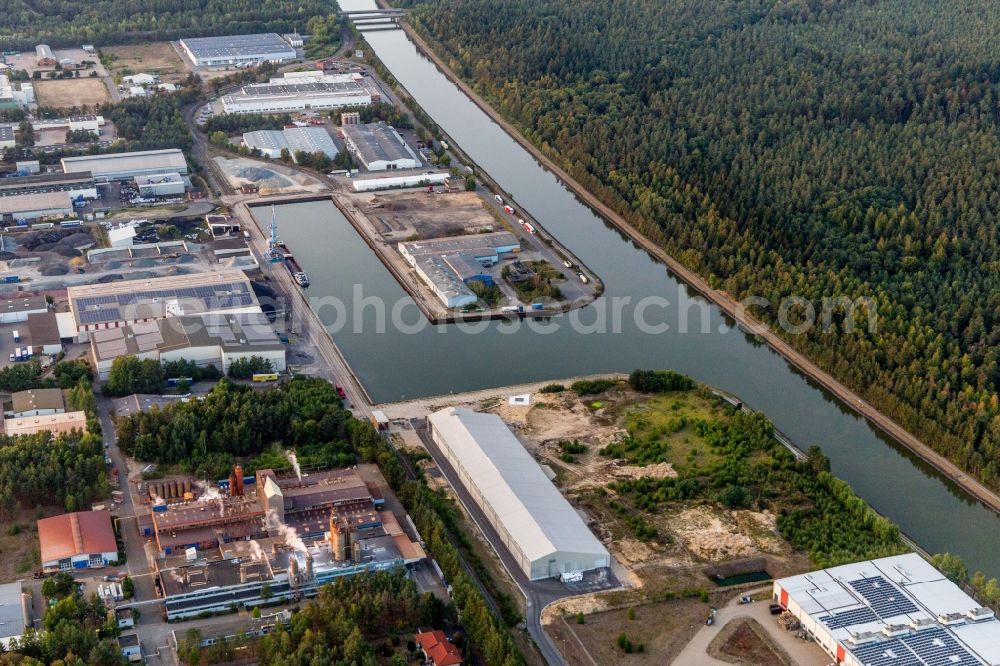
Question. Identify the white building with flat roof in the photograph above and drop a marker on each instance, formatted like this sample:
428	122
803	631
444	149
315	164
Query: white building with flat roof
237	49
540	528
892	611
293	93
123	166
15	612
160	185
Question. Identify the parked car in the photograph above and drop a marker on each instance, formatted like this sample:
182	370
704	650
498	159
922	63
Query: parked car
776	609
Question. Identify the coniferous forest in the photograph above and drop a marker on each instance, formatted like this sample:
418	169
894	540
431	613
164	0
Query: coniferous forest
26	23
818	148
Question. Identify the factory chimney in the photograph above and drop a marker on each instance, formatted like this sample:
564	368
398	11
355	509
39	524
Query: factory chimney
236	481
309	567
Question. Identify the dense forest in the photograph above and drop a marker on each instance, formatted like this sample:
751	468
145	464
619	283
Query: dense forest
818	148
25	23
207	436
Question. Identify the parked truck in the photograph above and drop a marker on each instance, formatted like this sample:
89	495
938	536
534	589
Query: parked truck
17	335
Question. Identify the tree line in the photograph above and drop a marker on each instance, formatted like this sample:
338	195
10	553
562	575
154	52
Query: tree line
70	23
824	148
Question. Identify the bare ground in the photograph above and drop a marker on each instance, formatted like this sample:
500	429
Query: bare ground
662	628
745	642
67	93
155	58
417	214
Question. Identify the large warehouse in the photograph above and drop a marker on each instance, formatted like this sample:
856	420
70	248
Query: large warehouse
293	139
34	206
894	611
299	93
237	49
124	166
215	339
77	541
76	184
542	531
97	307
379	147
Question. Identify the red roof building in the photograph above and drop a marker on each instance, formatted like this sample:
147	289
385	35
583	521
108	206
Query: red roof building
77	541
438	649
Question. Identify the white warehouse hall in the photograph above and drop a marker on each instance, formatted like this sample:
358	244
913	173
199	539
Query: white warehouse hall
541	529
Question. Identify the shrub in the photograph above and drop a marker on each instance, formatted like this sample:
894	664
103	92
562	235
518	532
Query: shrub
659	381
552	388
592	386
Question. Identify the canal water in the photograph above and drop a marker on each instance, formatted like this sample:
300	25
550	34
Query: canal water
408	360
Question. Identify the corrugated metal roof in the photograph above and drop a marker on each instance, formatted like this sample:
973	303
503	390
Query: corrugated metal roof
84	532
531	509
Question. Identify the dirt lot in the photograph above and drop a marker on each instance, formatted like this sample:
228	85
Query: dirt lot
745	642
19	556
417	214
155	58
662	628
67	93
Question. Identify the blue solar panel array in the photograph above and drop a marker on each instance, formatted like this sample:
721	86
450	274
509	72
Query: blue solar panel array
849	618
936	647
95	309
886	653
883	597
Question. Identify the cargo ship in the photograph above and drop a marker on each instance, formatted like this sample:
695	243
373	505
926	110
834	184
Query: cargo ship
300	276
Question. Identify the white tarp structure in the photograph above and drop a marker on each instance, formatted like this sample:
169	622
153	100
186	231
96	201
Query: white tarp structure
540	528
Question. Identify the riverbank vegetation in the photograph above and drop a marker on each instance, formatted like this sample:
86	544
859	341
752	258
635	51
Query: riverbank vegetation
814	149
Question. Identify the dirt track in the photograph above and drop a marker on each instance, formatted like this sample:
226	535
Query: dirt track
725	302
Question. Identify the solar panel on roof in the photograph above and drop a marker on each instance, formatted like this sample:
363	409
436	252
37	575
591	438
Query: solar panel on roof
883	597
849	618
936	647
886	653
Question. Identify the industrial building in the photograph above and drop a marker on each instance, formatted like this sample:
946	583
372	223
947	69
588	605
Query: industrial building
162	185
444	282
79	184
44	56
7	139
890	612
33	206
544	534
116	304
448	265
15	612
258	528
14	310
89	123
35	402
57	424
379	147
299	91
208	339
237	49
124	166
43	333
121	236
77	541
293	139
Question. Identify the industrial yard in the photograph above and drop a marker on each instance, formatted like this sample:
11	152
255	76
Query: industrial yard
465	254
